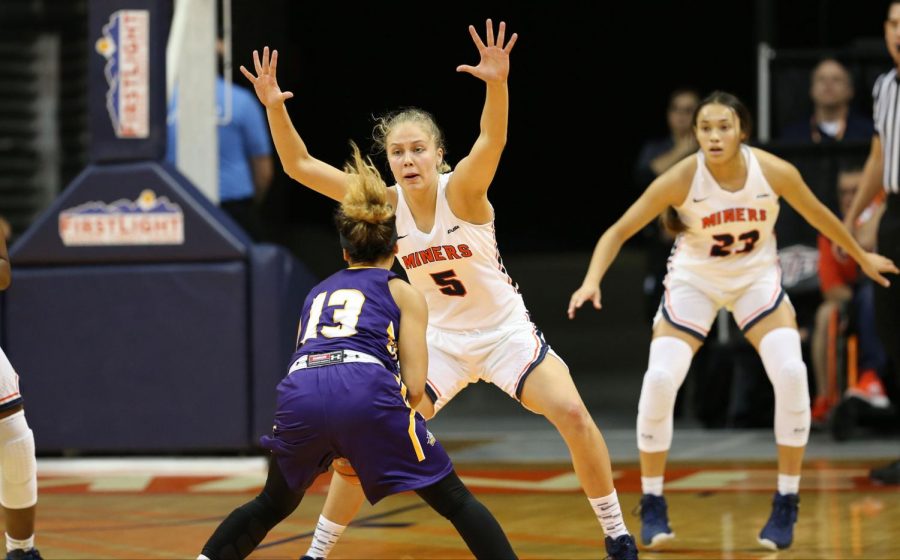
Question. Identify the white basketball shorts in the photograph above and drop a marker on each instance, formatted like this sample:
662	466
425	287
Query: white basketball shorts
690	301
504	356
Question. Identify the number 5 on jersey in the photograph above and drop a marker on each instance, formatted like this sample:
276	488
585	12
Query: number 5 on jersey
449	284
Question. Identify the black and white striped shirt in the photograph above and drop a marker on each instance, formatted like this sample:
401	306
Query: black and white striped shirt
886	111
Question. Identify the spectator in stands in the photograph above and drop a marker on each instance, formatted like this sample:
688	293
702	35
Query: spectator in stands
656	156
245	154
842	289
833	119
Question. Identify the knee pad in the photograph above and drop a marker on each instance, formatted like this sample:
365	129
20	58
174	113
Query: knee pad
658	393
782	357
18	481
669	361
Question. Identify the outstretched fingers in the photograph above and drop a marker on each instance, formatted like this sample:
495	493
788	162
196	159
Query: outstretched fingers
265	59
256	63
512	41
476	39
248	75
489	37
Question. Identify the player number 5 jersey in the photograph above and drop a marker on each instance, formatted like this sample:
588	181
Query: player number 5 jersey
457	267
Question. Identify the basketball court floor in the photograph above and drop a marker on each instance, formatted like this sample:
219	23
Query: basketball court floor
719	487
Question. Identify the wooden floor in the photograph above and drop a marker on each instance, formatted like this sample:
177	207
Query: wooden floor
716	510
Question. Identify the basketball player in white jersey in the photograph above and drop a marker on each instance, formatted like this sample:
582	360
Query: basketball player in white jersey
723	203
18	467
479	328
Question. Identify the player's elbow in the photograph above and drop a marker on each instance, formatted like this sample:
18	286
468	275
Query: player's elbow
415	388
613	237
293	169
295	166
414	397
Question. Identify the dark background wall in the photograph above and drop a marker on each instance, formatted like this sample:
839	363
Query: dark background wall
589	82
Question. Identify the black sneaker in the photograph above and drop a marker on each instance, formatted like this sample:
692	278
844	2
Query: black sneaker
778	533
888	474
19	554
621	548
655	530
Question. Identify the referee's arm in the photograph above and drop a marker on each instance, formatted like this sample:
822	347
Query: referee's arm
869	184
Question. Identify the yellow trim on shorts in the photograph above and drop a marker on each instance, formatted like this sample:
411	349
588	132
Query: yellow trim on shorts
420	455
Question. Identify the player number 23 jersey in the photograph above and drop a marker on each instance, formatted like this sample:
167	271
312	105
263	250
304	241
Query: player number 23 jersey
728	233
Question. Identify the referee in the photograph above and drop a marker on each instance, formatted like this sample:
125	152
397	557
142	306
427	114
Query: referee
882	170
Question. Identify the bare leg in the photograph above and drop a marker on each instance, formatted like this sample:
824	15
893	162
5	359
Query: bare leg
550	391
790	459
653	464
20	522
343	501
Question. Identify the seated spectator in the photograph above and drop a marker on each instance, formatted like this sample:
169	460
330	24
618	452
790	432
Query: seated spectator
657	155
843	288
833	119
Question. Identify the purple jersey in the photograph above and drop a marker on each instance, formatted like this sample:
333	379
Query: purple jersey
352	409
352	310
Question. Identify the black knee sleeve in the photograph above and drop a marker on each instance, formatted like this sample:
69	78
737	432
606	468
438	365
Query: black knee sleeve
447	495
476	525
248	525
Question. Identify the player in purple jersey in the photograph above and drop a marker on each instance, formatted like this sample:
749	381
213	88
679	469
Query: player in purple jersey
345	389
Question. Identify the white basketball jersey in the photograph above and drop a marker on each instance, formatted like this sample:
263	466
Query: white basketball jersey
457	267
728	233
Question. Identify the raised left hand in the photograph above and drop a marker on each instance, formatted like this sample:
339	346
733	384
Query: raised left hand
494	63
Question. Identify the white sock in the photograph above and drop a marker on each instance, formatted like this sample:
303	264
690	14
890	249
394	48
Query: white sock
14	544
609	514
652	485
788	484
327	534
201	557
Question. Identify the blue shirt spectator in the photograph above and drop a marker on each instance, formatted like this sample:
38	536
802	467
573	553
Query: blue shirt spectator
245	155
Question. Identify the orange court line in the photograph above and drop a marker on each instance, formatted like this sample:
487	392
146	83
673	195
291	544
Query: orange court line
817	474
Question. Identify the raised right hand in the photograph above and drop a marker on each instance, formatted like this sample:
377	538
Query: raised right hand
582	295
265	82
